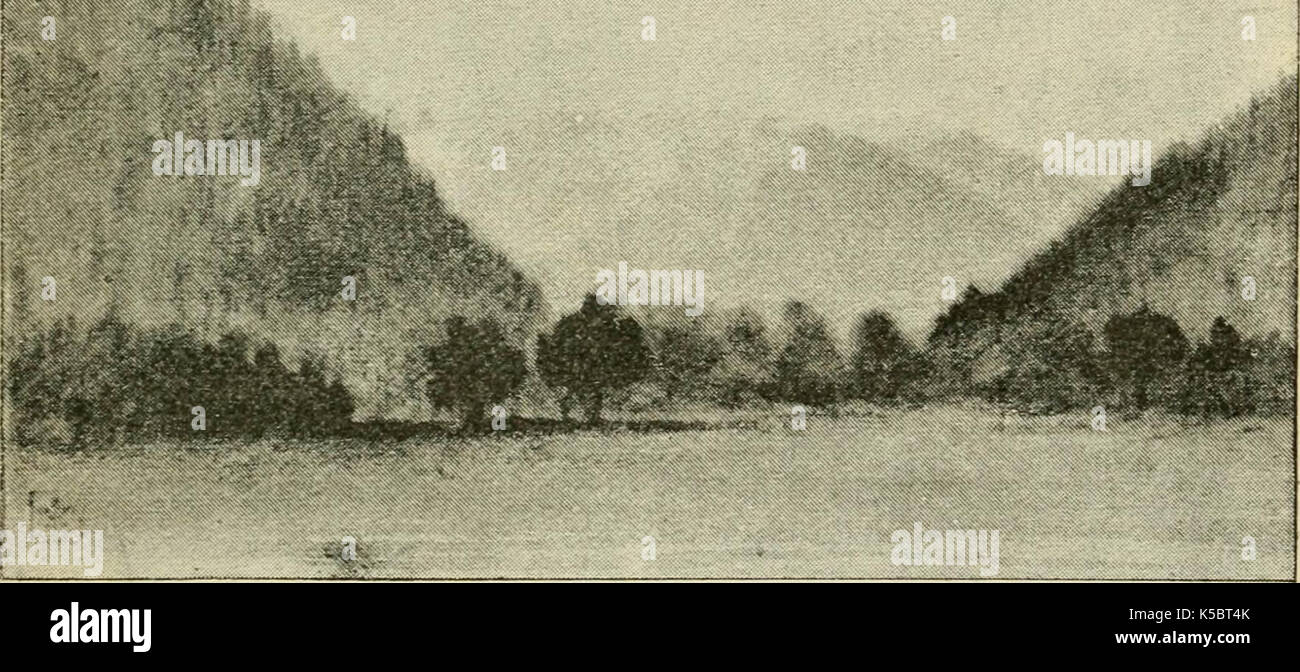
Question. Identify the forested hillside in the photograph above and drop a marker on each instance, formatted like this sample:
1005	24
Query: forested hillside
1212	236
337	197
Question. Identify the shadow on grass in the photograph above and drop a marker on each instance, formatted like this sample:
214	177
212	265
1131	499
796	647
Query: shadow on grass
387	430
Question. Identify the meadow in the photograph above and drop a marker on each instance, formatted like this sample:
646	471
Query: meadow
1146	499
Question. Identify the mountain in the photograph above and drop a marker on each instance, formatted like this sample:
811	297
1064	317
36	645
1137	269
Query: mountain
878	224
1216	212
872	223
336	196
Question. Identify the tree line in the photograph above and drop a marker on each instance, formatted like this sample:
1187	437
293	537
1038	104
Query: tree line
116	383
1140	361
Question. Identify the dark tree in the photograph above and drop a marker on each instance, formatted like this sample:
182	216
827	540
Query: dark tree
231	409
307	408
684	359
591	353
809	369
273	390
106	363
474	368
339	407
744	373
175	379
880	357
1272	374
959	340
1218	375
1147	351
1051	366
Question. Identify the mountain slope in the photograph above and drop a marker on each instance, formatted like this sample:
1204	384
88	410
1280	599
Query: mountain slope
1215	213
337	195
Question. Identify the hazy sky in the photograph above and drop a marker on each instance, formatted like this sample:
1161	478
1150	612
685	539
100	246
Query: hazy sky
574	93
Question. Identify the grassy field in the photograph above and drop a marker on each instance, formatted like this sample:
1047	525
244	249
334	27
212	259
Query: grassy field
1145	500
